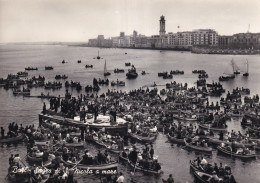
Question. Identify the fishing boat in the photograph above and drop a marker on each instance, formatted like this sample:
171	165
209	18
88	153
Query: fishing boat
12	139
175	140
142	139
138	167
31	68
204	177
119	70
237	144
236	69
80	144
34	159
22	74
197	148
48	68
246	73
93	168
106	73
98	57
209	127
192	118
236	155
194	166
102	144
132	74
21	92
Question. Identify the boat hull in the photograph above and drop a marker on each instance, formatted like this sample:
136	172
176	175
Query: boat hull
197	148
214	129
12	139
232	154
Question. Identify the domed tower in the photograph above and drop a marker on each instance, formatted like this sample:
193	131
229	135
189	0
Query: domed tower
162	26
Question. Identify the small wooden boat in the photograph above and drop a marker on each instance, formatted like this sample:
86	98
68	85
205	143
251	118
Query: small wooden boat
198	148
237	144
204	177
204	126
31	68
48	68
185	118
12	139
143	139
80	144
108	166
175	140
137	167
232	154
107	147
34	159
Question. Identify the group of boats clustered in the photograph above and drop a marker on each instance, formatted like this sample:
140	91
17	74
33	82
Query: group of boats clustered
125	125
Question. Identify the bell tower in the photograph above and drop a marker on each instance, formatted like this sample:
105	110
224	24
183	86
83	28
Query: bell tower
162	26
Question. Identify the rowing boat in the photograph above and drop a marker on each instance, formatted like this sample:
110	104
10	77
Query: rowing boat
34	159
142	139
12	139
185	118
237	144
136	167
232	154
175	140
108	166
204	177
198	148
80	144
212	128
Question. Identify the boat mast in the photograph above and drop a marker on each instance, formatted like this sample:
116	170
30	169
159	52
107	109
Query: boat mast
246	66
232	63
105	67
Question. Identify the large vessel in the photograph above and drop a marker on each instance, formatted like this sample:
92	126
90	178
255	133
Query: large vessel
132	74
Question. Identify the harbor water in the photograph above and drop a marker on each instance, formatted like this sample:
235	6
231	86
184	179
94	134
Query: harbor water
175	159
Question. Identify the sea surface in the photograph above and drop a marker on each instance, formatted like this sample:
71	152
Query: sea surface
175	159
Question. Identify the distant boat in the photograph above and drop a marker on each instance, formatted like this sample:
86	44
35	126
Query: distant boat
106	73
236	69
246	73
98	57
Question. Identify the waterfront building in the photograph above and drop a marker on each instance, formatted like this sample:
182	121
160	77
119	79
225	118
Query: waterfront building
224	42
246	41
205	37
100	42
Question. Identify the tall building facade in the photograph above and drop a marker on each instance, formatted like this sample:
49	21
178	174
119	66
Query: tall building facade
205	37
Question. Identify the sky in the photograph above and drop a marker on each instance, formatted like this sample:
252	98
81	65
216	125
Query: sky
80	20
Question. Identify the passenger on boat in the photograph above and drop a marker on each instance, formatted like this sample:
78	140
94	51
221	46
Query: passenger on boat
17	159
11	159
151	152
156	166
2	132
87	158
121	178
170	179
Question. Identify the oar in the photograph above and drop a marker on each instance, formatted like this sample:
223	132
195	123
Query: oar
77	163
132	173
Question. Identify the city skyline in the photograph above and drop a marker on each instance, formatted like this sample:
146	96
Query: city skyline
63	21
